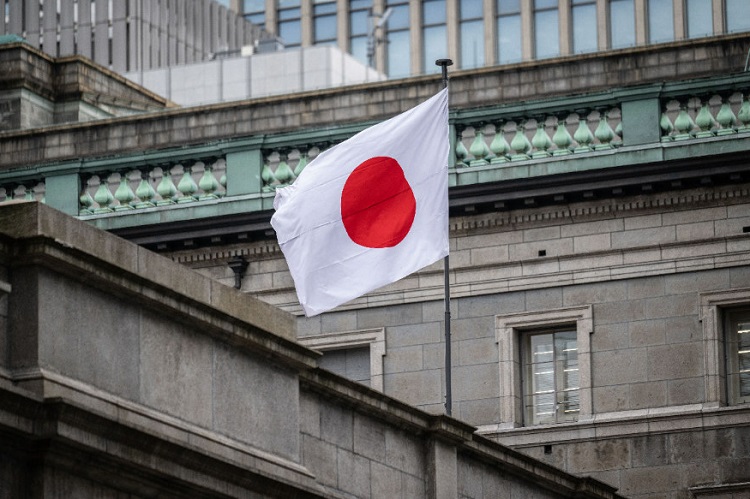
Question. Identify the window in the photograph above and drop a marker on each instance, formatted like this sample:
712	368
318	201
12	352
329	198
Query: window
737	332
621	23
546	29
660	21
550	376
289	22
434	41
725	316
356	355
508	31
583	13
358	19
324	23
545	368
472	33
738	15
255	11
700	18
398	59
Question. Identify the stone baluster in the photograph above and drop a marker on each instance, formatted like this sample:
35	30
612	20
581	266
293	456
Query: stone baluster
541	140
145	191
166	188
266	174
499	146
302	163
187	186
461	152
583	135
479	149
684	124
520	143
85	201
666	126
208	183
704	120
103	196
726	118
284	174
562	138
604	133
743	115
124	193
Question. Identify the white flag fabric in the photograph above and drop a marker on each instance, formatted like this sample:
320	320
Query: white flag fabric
368	211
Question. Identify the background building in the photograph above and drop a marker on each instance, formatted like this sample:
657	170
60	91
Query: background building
477	33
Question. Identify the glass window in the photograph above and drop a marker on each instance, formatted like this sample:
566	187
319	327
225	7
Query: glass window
472	34
738	356
584	26
434	40
289	27
621	23
700	18
738	15
398	46
351	363
546	29
660	21
254	11
508	31
324	23
358	23
551	378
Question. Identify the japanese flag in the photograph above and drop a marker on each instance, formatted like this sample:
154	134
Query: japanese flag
368	211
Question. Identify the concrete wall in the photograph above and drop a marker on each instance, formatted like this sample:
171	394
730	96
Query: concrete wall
655	421
123	374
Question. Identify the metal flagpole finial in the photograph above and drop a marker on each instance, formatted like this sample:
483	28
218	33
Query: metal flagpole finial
444	63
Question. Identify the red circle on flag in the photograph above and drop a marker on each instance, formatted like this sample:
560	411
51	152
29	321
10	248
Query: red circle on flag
377	203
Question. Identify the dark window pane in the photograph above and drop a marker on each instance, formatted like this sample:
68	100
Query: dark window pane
584	28
509	39
660	21
738	15
325	28
399	62
700	20
289	31
471	9
546	34
435	47
472	44
433	12
622	23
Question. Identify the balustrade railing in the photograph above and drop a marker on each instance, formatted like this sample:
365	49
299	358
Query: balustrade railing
27	190
706	115
518	138
146	187
282	165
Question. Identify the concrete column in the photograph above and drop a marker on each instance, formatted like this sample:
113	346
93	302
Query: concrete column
680	19
306	22
49	40
84	29
119	37
527	31
32	23
602	24
720	26
442	470
67	35
101	33
342	24
15	17
378	6
451	31
490	32
566	27
415	21
271	16
641	31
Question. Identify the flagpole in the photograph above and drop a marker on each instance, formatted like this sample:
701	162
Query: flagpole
444	63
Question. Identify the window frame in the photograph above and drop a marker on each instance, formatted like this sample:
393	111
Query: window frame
374	338
509	329
714	308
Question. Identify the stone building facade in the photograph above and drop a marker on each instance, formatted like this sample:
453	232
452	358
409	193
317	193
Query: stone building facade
599	249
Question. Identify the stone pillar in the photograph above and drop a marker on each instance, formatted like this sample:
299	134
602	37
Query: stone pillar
61	192
442	470
243	172
640	121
